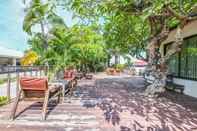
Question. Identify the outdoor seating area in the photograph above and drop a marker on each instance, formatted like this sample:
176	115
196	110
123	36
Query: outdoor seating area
35	88
106	103
98	65
38	88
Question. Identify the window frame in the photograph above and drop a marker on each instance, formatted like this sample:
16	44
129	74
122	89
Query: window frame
179	62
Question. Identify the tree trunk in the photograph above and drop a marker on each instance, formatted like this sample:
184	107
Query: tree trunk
108	60
116	59
45	43
158	64
154	68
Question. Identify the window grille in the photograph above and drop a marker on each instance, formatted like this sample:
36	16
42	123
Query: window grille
184	64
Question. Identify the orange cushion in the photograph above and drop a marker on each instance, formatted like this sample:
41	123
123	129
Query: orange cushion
32	83
68	74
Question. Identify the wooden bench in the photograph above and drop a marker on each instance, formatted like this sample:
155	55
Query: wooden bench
175	87
171	86
36	89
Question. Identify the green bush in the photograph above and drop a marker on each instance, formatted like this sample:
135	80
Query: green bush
4	80
120	67
3	100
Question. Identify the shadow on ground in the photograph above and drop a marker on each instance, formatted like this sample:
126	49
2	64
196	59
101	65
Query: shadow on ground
37	106
124	106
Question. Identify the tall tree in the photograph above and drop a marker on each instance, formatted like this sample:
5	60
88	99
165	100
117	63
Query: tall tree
40	14
158	17
39	20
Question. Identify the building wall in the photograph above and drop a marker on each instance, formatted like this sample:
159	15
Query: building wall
189	30
5	61
121	60
8	61
190	86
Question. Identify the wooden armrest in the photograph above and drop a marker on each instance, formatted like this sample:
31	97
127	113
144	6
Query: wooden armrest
53	88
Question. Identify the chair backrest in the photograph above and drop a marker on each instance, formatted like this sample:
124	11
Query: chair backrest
34	84
69	74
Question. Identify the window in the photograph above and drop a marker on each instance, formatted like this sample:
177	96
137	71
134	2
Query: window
173	65
184	64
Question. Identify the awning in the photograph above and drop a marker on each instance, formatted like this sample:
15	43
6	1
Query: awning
140	63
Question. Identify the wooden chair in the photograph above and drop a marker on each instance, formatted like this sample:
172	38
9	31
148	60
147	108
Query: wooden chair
79	75
88	76
70	76
36	89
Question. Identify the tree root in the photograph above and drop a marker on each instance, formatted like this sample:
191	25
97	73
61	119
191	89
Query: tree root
154	90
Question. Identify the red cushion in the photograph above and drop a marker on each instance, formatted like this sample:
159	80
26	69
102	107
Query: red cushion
68	74
40	84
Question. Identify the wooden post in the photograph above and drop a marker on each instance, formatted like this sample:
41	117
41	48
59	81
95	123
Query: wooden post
36	72
31	73
46	70
13	111
24	72
46	73
8	85
40	69
45	104
17	81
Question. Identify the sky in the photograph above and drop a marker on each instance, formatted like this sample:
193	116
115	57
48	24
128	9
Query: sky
11	19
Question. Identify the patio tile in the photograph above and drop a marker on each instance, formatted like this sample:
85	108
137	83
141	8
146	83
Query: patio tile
108	104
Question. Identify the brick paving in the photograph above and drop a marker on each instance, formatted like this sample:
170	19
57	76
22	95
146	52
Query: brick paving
107	104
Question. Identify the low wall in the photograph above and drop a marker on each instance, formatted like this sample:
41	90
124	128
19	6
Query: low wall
190	86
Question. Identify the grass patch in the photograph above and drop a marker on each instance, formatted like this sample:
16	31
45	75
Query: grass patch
4	80
3	100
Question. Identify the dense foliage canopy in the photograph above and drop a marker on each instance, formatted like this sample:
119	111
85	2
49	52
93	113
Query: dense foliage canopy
106	28
81	46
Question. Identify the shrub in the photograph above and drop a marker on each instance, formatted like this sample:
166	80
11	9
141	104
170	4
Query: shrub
3	100
120	67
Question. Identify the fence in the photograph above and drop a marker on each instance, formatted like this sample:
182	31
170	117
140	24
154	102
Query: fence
9	73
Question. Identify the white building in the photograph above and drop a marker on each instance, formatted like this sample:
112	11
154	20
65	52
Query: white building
9	56
183	65
122	59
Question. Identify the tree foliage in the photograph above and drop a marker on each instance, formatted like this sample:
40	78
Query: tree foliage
30	58
125	27
128	24
81	46
88	57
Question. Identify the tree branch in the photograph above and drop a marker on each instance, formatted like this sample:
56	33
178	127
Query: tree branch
175	14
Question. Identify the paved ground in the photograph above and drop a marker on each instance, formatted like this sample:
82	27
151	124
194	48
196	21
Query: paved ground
108	104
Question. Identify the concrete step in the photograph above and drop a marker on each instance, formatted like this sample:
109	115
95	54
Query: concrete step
53	123
48	128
